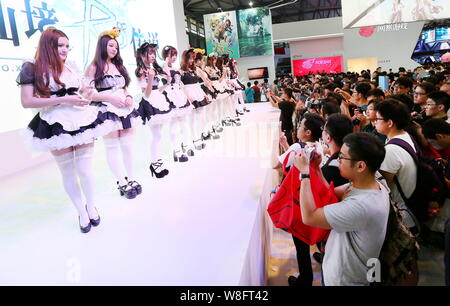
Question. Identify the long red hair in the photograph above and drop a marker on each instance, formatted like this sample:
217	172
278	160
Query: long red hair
47	61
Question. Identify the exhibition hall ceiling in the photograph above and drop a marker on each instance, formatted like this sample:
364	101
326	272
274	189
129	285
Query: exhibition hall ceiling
283	10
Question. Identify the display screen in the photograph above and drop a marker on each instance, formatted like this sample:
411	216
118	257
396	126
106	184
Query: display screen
258	73
364	13
434	41
318	65
22	21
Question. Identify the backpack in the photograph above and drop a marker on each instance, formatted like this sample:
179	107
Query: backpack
429	186
398	256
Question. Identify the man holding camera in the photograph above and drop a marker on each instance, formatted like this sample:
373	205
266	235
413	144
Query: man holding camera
358	223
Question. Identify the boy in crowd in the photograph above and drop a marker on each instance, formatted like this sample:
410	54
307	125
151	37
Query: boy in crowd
437	106
249	93
257	91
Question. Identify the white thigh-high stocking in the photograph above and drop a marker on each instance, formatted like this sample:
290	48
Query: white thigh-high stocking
156	142
185	131
214	111
202	119
230	103
241	98
222	109
210	120
66	165
235	103
126	144
194	123
112	146
175	132
83	162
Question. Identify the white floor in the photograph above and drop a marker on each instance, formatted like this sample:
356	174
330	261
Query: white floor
191	228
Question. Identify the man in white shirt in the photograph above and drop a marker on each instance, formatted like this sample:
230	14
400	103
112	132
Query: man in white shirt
392	118
358	223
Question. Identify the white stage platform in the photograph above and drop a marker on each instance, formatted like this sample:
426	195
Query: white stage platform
202	225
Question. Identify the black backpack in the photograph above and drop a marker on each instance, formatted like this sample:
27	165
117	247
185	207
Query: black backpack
398	256
429	186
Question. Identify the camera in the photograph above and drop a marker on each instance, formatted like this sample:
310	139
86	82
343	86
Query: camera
417	118
362	109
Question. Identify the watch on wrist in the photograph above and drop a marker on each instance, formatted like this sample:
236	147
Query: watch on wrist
305	176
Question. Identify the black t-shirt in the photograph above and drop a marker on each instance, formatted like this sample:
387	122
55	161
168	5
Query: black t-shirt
287	110
331	171
372	130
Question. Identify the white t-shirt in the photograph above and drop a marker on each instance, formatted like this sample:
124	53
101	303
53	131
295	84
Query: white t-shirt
400	163
362	216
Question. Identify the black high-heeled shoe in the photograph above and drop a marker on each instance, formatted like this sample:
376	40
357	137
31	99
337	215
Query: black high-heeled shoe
239	113
86	229
156	166
189	152
199	147
214	134
226	123
218	128
236	123
246	110
206	136
135	185
182	159
127	191
94	223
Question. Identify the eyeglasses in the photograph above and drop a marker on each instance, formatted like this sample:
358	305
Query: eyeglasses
430	105
419	93
340	157
380	119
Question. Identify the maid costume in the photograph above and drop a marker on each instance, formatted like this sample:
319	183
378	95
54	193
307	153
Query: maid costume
176	95
155	109
193	88
125	117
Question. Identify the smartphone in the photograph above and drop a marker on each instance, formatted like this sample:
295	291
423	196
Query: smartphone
383	82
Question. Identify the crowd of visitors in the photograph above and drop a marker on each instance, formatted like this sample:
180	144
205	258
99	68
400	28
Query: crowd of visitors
383	148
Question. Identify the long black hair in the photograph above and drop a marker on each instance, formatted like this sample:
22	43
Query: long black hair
143	51
101	56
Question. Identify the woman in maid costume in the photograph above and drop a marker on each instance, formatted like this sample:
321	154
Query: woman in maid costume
239	88
206	85
230	115
111	79
67	124
216	80
155	108
196	96
176	95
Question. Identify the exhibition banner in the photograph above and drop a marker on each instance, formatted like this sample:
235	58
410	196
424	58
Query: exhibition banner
255	32
222	34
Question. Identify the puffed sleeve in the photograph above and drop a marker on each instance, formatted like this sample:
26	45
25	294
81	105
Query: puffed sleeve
26	75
